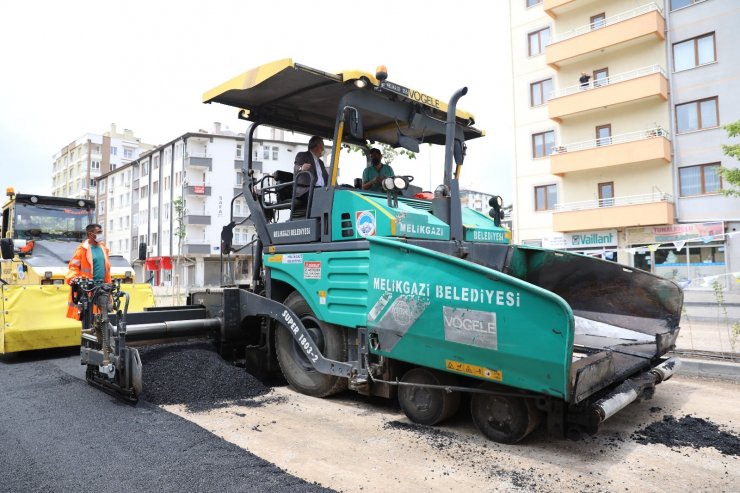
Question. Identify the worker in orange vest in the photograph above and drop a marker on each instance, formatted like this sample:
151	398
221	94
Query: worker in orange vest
90	260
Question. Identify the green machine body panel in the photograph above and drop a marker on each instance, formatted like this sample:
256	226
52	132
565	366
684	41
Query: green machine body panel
356	215
441	312
481	228
334	284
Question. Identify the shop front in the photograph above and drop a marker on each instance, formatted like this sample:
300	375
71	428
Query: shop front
691	254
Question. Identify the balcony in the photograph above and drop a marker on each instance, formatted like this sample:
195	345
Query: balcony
256	165
628	87
196	246
633	26
198	190
199	217
198	160
619	212
645	148
554	8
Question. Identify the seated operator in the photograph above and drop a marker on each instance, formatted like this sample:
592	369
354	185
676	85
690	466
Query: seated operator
373	175
310	161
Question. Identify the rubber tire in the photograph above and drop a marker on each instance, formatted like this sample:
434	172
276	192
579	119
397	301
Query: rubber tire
294	364
428	406
504	419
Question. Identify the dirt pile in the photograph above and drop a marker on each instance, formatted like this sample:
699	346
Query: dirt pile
688	431
192	373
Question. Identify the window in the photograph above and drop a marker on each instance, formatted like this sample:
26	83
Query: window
128	153
114	151
155	163
101	207
542	144
694	52
145	169
154	239
102	186
239	178
532	3
95	165
111	204
239	151
603	135
677	4
545	197
120	223
538	40
606	194
155	213
601	77
266	153
142	239
166	209
598	21
126	222
135	219
700	180
155	187
275	150
178	150
539	92
110	225
144	193
697	115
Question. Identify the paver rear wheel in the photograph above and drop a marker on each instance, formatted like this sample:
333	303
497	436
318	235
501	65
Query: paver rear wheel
330	339
428	406
502	418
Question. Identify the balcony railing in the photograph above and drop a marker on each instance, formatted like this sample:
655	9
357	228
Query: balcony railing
649	198
616	139
644	9
595	84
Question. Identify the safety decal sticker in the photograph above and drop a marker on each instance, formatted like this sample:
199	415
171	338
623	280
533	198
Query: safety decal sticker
293	258
21	272
322	297
312	270
476	371
379	305
275	259
365	223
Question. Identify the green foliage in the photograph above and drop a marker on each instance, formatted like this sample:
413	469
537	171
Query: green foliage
179	206
389	153
731	176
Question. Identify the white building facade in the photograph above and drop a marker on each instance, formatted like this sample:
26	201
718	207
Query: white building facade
199	174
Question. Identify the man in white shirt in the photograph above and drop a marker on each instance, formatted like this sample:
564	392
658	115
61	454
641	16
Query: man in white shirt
311	162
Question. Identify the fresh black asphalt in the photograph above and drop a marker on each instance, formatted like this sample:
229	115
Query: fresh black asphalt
60	434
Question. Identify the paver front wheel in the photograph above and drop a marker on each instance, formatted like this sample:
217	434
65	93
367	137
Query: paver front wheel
330	339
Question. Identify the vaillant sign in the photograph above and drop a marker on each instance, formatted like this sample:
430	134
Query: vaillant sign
582	239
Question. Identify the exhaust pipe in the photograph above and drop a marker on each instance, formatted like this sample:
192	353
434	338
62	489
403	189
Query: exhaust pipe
631	390
665	370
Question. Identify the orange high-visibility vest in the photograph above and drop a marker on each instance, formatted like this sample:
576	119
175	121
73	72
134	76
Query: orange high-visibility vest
81	265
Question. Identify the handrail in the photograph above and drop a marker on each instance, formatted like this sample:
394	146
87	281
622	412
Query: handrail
612	140
648	198
595	84
593	26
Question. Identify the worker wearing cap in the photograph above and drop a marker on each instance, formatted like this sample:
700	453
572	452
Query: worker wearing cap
373	175
90	260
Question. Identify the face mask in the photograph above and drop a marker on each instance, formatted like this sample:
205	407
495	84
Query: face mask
375	161
99	237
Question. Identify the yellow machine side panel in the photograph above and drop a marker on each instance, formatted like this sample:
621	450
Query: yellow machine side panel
34	317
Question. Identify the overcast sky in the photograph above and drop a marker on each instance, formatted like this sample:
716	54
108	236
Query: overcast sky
72	67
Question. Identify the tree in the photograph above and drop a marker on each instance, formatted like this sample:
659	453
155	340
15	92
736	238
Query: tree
180	233
389	153
731	176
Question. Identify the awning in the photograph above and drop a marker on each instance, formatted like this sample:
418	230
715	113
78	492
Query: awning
158	263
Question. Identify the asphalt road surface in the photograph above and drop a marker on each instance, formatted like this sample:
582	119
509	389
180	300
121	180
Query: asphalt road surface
224	432
60	434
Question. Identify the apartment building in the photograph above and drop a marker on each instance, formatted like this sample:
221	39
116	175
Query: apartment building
618	112
198	173
78	165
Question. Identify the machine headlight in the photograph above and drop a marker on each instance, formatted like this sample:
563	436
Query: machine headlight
388	183
400	183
